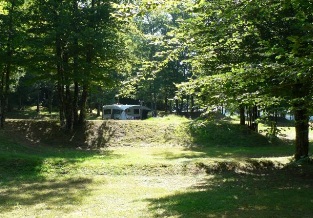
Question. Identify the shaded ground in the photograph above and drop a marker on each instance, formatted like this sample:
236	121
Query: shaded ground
149	169
271	194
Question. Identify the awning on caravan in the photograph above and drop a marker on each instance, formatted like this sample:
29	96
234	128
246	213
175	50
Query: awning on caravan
125	107
124	112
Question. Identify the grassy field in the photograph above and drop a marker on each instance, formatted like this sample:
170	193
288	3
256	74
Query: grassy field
156	168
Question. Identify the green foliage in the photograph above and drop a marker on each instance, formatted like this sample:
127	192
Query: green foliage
77	47
250	53
150	77
236	54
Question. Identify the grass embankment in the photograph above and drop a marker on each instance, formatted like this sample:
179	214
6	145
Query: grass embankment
149	169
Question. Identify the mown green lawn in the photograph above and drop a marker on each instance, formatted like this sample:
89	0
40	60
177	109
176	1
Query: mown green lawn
164	180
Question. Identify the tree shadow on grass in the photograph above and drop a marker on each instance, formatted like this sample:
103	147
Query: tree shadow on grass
239	153
26	167
93	135
225	134
224	139
98	134
18	168
186	155
53	194
278	193
19	161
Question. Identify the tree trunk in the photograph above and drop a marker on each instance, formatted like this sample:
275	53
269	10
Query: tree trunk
6	76
98	108
60	74
50	101
302	132
75	104
2	100
301	115
253	115
170	106
242	115
176	106
68	109
38	102
166	104
187	108
255	126
61	104
181	105
75	24
84	97
192	103
1	113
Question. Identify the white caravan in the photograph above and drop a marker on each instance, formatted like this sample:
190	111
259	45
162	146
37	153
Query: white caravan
124	112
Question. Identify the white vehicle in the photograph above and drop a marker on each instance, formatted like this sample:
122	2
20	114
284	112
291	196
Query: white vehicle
124	112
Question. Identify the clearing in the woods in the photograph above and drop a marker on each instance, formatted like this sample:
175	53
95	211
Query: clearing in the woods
164	167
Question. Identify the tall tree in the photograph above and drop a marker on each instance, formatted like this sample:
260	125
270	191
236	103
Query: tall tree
11	49
255	52
78	46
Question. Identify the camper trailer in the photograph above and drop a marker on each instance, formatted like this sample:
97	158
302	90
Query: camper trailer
125	112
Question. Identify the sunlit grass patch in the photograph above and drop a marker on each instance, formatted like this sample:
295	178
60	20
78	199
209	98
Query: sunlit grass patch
105	196
32	113
168	118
